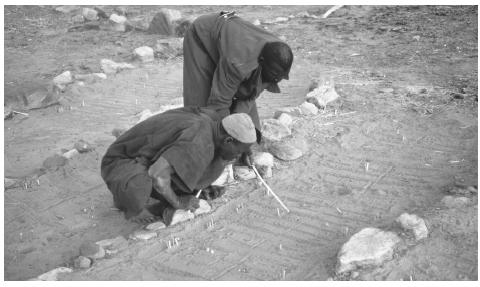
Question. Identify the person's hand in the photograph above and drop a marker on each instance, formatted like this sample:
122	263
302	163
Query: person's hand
247	158
188	202
213	191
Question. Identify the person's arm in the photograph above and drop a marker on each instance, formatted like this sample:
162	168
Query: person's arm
161	172
225	83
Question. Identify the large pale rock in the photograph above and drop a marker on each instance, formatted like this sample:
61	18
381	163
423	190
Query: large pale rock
263	159
308	109
227	176
156	226
415	224
163	22
118	23
145	54
71	153
111	67
83	146
62	80
456	202
90	14
286	120
369	247
244	173
274	130
204	208
52	275
143	234
285	151
323	93
181	216
92	250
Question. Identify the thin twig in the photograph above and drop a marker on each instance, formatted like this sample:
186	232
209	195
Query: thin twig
370	184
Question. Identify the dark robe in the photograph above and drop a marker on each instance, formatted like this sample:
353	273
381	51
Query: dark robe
221	69
184	137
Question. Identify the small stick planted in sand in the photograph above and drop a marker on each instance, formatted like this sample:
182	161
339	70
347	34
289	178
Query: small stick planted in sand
198	193
269	189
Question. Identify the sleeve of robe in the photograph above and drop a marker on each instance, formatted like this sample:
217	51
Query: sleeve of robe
191	154
226	80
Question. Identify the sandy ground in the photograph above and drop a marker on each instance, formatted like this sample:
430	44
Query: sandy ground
407	77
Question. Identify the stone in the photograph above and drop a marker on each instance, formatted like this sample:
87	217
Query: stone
70	154
82	262
323	93
156	226
283	38
387	90
286	120
456	202
274	130
226	176
54	162
415	224
291	111
145	54
67	9
117	19
90	78
181	216
10	183
256	22
144	234
118	23
90	14
285	151
62	80
169	48
163	23
368	247
308	109
204	208
41	98
244	173
182	25
92	250
111	67
82	146
263	159
77	19
52	275
115	243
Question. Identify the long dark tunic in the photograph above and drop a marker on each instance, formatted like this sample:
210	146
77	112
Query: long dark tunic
184	137
221	67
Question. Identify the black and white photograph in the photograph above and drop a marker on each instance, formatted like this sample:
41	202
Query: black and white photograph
251	142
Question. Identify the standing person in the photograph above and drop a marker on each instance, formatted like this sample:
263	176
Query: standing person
228	62
170	156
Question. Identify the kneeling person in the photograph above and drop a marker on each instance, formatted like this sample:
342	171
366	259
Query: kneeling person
169	157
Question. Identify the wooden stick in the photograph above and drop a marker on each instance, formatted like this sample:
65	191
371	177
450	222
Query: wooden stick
269	189
331	10
198	193
370	184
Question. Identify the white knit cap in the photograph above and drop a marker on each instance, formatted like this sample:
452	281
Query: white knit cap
240	126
